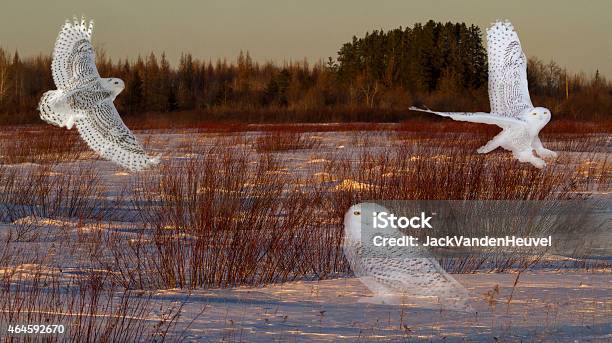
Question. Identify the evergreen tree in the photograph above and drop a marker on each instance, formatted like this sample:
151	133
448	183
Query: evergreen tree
134	93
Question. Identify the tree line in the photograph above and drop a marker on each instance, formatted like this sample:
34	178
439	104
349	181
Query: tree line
378	76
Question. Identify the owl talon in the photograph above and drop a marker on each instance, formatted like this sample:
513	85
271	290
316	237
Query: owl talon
69	122
545	153
538	163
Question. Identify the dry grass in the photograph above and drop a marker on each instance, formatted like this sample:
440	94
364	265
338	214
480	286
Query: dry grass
41	191
39	144
247	221
33	287
446	172
227	216
192	238
90	309
446	169
410	122
242	222
284	141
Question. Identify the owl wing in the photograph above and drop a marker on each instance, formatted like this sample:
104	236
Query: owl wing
477	117
74	60
420	276
103	130
508	89
411	270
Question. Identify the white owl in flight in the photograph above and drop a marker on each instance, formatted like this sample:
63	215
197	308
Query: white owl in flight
396	271
511	107
85	99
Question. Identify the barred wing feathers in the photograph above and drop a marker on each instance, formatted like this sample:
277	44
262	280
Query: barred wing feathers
104	131
74	60
477	117
508	88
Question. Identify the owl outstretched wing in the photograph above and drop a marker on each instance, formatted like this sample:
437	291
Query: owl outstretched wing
104	131
508	89
477	117
74	60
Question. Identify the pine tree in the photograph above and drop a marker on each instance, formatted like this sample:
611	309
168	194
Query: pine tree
134	93
152	92
168	98
4	67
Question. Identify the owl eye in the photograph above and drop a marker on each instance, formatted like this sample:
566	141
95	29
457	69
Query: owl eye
535	113
357	213
118	83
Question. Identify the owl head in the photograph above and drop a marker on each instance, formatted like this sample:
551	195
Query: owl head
113	84
359	217
536	117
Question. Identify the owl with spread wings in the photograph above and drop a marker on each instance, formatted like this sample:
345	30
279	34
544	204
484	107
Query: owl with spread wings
85	99
511	107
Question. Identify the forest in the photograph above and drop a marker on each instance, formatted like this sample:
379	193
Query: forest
373	78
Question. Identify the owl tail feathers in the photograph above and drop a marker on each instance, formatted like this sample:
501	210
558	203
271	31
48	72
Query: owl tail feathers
50	108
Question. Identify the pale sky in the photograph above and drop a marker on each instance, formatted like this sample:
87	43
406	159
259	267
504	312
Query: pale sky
575	34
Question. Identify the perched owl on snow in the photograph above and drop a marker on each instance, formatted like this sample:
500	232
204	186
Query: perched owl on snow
398	273
85	99
511	107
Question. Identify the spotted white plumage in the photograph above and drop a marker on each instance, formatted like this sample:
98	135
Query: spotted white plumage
400	274
508	91
73	55
511	107
85	99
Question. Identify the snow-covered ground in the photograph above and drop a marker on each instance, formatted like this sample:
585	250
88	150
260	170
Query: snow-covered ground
546	305
561	306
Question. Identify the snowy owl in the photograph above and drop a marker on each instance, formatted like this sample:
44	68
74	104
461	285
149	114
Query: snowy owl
511	107
396	272
85	99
